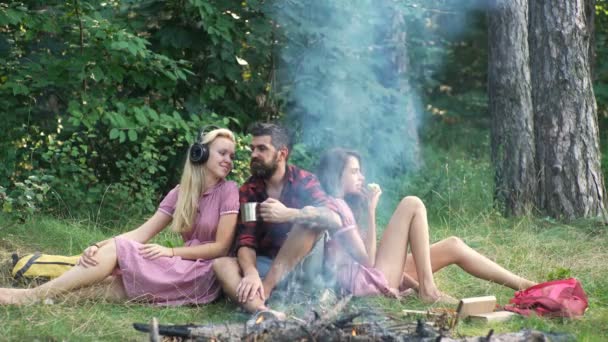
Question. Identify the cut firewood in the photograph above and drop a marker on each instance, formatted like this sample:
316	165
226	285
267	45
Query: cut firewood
496	316
154	334
475	306
422	312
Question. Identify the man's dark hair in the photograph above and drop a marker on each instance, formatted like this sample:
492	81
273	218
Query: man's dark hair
279	137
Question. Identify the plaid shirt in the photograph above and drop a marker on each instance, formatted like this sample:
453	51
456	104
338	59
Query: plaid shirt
301	189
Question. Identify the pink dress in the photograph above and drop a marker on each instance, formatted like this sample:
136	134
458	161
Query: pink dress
173	280
351	276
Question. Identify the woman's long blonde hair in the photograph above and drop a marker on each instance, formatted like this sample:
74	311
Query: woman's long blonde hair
192	184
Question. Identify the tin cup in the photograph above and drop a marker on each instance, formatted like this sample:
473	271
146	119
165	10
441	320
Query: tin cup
248	211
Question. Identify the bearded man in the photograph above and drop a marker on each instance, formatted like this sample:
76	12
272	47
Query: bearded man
292	213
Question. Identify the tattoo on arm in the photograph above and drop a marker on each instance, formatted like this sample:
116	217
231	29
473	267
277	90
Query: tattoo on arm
318	218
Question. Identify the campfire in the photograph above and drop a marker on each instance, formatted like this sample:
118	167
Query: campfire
336	324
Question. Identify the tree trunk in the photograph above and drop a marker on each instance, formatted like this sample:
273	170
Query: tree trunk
567	142
510	104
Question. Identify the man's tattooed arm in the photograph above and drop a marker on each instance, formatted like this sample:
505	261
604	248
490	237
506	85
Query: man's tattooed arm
319	218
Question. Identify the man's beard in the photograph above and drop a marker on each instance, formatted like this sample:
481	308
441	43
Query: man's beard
260	169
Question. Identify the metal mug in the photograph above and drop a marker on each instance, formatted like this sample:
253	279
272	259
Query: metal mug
248	211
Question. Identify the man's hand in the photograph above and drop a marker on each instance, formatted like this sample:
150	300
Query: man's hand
153	251
274	211
87	259
249	287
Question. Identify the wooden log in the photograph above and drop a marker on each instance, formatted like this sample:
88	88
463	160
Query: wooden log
476	305
496	316
217	331
154	334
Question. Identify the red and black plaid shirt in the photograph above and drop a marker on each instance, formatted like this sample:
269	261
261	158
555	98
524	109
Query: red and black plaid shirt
301	189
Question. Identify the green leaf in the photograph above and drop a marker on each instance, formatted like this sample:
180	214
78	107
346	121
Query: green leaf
122	137
97	74
132	135
153	114
20	89
114	133
121	120
141	117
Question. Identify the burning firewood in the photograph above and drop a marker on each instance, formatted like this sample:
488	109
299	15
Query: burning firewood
333	325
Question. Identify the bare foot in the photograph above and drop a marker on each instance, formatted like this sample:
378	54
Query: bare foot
407	282
436	297
526	284
446	299
15	297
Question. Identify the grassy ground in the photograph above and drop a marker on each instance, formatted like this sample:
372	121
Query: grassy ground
533	248
455	184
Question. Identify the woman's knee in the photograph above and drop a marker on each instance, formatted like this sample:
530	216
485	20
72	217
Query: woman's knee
109	251
222	263
413	203
454	244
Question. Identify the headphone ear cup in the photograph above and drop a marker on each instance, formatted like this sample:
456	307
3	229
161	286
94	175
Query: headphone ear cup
199	153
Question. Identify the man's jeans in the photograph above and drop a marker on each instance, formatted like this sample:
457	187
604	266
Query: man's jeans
308	273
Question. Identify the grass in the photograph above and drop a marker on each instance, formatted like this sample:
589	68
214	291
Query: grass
458	197
530	247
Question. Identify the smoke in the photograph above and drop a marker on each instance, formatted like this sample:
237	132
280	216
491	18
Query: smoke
344	66
345	70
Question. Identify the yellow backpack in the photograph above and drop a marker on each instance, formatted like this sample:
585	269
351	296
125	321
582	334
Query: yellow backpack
40	265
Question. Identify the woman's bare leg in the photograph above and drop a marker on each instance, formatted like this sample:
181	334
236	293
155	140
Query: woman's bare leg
408	225
228	273
454	251
110	289
76	277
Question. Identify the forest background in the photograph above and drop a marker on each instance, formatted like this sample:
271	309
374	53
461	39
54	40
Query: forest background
100	100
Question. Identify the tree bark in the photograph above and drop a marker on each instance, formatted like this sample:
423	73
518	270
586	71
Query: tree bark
510	104
567	142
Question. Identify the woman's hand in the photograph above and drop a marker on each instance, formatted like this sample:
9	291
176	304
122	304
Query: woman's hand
87	259
153	251
372	193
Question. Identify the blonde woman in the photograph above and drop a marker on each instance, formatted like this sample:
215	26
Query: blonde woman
203	209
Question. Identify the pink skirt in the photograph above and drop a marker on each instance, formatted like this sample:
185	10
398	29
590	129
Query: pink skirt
166	280
363	281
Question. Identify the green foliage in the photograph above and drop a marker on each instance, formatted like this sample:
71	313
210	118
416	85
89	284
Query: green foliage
447	47
601	75
240	170
601	50
102	99
26	197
